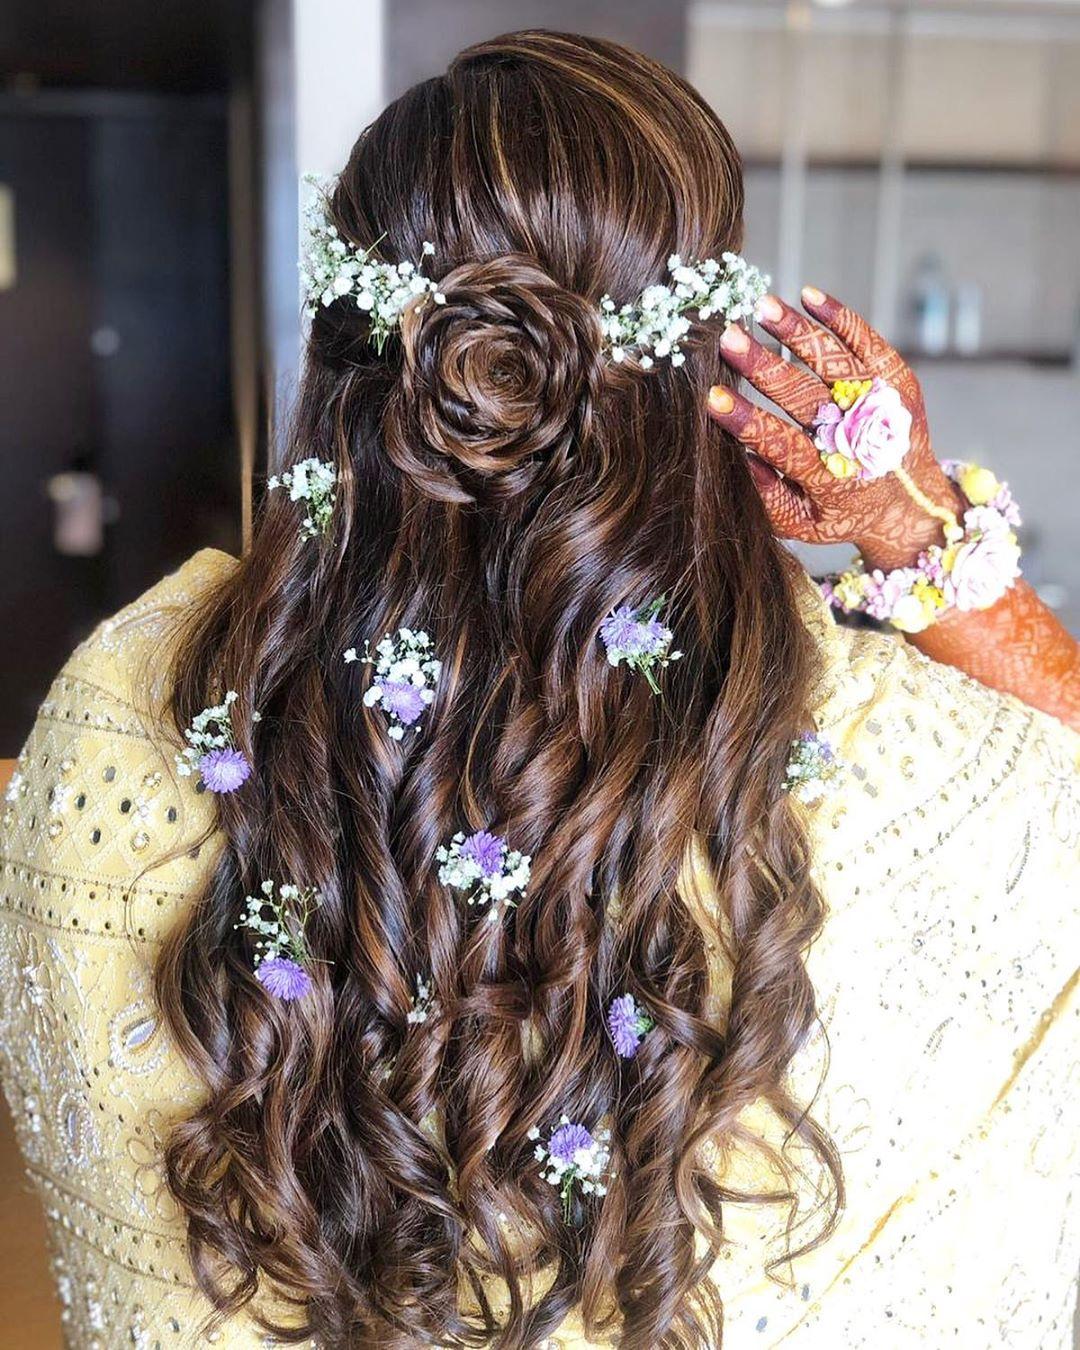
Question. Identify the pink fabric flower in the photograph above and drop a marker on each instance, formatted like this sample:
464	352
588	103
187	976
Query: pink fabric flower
875	431
984	567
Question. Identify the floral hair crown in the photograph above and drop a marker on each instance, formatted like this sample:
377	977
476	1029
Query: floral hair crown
648	328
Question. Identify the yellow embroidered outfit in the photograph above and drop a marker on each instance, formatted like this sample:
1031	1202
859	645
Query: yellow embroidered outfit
946	981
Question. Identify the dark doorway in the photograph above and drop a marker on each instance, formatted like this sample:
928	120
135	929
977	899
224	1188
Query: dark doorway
115	363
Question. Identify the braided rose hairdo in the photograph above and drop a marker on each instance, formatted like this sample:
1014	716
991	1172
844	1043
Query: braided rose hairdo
503	487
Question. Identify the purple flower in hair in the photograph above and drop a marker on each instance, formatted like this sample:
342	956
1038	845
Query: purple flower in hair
572	1155
402	699
284	978
485	868
637	637
628	1024
485	850
277	917
406	673
224	770
567	1141
211	750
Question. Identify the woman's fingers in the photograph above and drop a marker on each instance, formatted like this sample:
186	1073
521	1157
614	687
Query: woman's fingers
799	393
777	442
822	351
788	509
875	355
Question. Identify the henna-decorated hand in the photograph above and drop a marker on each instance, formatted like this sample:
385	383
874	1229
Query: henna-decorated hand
802	497
1017	645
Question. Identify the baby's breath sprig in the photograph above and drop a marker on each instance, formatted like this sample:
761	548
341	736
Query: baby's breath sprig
573	1156
332	268
406	672
211	749
814	769
424	1004
483	866
313	481
637	637
278	917
653	325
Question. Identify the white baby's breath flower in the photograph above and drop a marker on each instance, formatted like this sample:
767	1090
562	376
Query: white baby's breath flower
574	1156
313	481
332	268
652	327
486	869
424	1006
406	672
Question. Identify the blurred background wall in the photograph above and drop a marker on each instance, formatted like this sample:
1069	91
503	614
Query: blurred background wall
920	159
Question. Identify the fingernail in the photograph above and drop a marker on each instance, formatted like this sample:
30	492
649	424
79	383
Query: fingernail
735	339
721	400
771	309
813	296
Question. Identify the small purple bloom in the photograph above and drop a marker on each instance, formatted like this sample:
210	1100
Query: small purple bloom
620	629
403	699
224	770
626	634
283	977
567	1141
627	1024
816	744
486	850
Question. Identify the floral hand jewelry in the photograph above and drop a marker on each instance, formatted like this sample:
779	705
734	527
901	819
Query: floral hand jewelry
814	769
637	637
977	565
312	481
647	329
573	1155
405	677
212	751
281	952
484	866
864	431
628	1024
654	323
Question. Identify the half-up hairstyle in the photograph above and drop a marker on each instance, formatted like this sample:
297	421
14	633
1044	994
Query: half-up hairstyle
503	486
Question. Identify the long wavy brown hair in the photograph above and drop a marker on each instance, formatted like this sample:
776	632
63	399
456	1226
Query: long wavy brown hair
503	486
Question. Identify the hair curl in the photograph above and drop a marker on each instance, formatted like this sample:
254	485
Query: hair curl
504	488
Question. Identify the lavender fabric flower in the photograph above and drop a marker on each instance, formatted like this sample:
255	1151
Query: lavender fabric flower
485	850
224	770
627	1024
283	977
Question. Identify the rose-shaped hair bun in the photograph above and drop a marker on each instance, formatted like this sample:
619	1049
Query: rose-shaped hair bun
496	382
